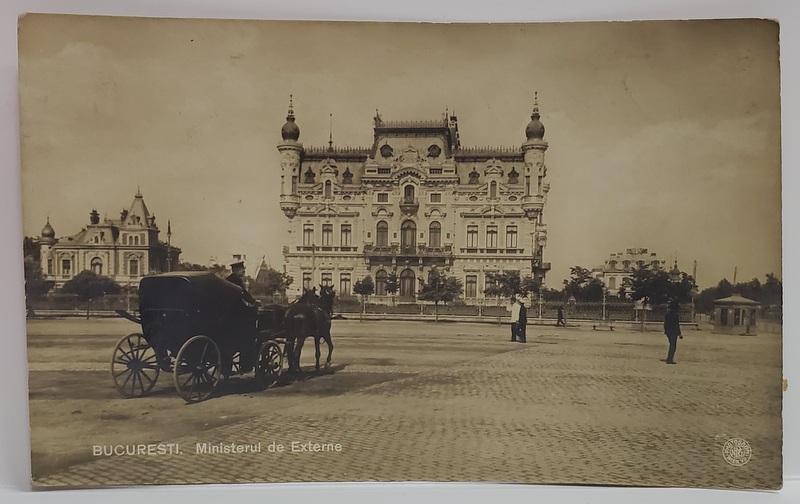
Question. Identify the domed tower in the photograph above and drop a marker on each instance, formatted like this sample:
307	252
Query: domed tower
536	188
48	234
290	150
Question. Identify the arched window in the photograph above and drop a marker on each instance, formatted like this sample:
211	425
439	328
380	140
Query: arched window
382	234
133	267
493	189
408	236
380	282
328	189
408	194
97	239
408	284
97	266
612	264
435	235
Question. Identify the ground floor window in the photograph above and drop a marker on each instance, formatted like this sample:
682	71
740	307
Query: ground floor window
344	284
307	281
471	286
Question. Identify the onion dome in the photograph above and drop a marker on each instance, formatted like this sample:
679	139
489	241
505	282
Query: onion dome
48	231
290	130
675	273
535	128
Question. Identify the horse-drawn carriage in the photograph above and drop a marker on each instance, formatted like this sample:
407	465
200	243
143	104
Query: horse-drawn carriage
197	326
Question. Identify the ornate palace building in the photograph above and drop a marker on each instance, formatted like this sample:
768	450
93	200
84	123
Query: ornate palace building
125	249
414	200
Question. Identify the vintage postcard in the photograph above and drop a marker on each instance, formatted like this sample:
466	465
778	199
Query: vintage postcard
261	251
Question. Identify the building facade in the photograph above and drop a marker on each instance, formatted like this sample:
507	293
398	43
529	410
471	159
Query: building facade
415	199
619	266
124	249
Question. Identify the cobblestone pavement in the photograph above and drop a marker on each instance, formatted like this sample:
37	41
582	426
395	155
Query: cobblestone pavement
570	406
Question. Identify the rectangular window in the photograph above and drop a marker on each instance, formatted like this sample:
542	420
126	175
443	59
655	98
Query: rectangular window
472	236
737	320
723	316
511	237
65	266
327	235
344	284
327	279
307	281
491	236
436	197
471	286
383	197
49	266
308	234
346	233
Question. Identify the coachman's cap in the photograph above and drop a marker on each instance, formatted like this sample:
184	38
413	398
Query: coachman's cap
237	265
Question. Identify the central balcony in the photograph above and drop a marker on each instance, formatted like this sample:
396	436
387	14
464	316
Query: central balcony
409	206
408	251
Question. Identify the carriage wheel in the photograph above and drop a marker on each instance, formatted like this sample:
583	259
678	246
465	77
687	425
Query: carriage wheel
197	368
134	366
270	364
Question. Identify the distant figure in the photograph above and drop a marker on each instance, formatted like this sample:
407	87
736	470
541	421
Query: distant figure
514	309
672	328
561	322
237	277
522	323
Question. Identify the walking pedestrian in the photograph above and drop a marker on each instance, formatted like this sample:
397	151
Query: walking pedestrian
672	328
513	307
522	323
561	322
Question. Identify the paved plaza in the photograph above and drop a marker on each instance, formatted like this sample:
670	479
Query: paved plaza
416	401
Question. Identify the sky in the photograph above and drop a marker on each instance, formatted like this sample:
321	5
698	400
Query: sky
663	135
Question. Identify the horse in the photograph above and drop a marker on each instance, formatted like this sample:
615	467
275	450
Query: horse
309	316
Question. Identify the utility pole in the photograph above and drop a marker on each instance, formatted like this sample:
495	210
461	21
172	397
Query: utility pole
169	245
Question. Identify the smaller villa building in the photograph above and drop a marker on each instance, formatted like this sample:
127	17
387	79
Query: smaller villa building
124	249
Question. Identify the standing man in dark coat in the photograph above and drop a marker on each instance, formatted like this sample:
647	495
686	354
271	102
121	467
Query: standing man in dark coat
672	328
237	277
522	324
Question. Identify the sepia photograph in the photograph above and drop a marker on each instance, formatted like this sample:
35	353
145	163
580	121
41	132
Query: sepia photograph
308	251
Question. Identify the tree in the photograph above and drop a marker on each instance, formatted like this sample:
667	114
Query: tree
658	287
770	293
439	288
187	266
392	284
364	288
273	282
35	284
509	283
582	285
88	286
30	248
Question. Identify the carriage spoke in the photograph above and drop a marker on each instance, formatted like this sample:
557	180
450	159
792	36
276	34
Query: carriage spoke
149	380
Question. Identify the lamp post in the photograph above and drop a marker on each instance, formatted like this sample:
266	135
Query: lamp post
541	288
605	293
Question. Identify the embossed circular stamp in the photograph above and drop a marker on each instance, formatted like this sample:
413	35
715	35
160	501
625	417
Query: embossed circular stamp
737	451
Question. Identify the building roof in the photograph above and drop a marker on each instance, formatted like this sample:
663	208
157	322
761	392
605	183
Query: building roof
736	299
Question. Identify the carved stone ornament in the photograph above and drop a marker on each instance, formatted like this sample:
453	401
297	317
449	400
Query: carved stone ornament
387	151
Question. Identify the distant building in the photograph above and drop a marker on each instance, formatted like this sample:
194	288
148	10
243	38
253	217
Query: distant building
413	200
619	266
124	249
